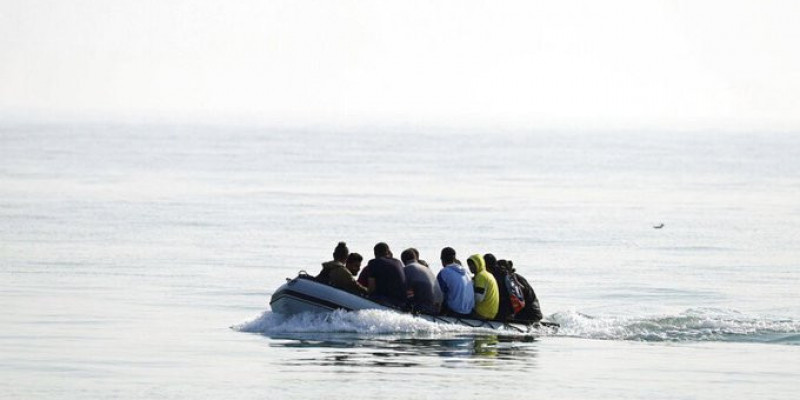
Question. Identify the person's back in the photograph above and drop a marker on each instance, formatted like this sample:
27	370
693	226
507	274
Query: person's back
340	254
422	284
487	297
504	311
386	277
532	311
456	285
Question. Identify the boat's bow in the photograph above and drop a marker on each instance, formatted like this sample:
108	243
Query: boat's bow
304	294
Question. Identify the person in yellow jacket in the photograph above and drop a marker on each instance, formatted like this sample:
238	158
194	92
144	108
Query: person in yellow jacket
487	296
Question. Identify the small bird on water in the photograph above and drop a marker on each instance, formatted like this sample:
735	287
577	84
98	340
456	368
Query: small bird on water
659	226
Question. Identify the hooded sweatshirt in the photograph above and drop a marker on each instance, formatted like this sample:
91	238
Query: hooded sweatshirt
487	297
456	288
341	278
328	267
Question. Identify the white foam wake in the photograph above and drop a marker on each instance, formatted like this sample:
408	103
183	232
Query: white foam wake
704	324
360	322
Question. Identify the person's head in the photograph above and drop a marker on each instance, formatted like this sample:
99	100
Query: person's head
421	262
340	252
475	263
408	256
491	262
382	250
510	267
502	266
354	263
448	256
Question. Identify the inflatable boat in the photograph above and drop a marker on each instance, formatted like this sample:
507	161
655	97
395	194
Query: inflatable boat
305	295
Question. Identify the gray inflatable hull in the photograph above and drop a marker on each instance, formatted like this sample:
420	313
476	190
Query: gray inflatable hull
303	295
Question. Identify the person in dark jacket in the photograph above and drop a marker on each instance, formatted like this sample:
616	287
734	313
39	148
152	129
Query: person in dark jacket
343	277
386	279
532	311
340	254
504	311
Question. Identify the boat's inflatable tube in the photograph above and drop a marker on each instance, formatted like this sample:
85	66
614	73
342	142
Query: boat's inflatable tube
303	294
306	295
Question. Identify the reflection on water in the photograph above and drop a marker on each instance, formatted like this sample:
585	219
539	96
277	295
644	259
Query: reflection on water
354	350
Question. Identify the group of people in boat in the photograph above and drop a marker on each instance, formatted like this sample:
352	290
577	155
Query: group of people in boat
490	289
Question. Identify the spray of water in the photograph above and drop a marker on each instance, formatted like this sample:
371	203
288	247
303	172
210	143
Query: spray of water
360	322
703	324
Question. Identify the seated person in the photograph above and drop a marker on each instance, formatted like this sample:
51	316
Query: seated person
419	260
339	258
504	311
362	277
456	285
422	285
386	278
344	277
531	311
487	298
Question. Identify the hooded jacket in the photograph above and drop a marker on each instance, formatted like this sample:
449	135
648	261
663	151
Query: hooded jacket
532	310
341	278
328	267
487	297
456	288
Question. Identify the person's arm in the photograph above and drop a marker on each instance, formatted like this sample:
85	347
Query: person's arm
342	279
442	283
363	276
480	293
371	285
480	285
355	287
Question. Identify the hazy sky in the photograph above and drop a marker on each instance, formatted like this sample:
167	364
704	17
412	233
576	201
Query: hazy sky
593	64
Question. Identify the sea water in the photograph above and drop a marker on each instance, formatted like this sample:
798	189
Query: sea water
137	261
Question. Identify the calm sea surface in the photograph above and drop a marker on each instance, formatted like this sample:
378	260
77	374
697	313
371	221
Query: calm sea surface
138	261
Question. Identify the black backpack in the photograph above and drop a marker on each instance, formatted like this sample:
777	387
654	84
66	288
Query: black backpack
515	293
